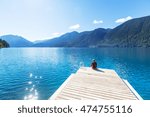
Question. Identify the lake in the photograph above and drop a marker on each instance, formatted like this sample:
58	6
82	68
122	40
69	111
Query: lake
36	73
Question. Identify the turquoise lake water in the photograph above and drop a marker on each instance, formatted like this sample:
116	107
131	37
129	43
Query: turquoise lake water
36	73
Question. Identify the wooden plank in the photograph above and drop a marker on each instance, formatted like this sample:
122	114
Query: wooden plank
95	84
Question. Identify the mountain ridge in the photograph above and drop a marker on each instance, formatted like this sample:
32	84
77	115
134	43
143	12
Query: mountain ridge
16	41
132	33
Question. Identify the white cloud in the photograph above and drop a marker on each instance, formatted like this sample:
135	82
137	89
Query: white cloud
122	20
55	34
97	21
76	26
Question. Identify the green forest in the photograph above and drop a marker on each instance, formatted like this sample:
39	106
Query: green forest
3	44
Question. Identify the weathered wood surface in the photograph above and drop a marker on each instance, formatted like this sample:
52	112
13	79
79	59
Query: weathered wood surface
101	84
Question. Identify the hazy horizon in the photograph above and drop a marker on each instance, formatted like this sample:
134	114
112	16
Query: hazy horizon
46	19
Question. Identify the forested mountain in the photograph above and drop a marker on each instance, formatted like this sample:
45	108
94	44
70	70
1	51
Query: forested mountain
75	39
3	44
133	33
16	41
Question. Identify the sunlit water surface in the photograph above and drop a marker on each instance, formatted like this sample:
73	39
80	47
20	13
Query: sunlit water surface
36	73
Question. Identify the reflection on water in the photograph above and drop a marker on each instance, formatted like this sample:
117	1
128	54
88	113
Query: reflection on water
31	91
30	75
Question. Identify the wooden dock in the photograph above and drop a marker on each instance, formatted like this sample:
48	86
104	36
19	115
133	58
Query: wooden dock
101	84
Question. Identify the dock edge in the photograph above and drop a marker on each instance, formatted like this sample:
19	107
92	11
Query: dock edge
132	89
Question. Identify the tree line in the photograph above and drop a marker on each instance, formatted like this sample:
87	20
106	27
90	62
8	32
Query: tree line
4	44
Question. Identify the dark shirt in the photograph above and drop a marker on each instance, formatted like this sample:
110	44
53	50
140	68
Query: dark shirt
94	65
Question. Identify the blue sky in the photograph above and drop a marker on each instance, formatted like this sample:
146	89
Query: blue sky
44	19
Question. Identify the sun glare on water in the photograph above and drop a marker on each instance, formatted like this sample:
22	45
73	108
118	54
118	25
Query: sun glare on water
31	91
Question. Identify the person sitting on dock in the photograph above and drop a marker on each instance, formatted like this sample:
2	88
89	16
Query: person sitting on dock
94	64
